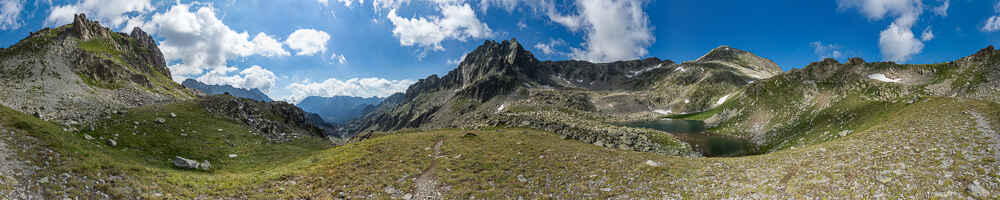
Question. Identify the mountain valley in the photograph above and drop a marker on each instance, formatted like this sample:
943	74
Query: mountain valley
89	113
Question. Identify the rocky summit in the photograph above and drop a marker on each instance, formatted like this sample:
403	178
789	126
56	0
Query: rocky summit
78	72
89	113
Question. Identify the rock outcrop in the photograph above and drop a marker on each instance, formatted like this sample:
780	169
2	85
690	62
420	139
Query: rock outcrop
81	72
278	121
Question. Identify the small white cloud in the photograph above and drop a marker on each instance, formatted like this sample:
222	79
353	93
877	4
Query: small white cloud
942	10
359	87
110	12
457	22
992	24
252	77
10	13
826	50
927	35
323	2
457	61
307	41
338	58
549	48
521	25
508	5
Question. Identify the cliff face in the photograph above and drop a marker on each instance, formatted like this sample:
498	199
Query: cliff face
76	72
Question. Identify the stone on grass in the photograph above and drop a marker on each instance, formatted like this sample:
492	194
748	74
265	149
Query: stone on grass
160	120
185	163
978	191
653	163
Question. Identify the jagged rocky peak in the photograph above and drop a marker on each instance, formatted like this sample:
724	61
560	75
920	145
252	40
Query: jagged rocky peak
743	61
494	58
86	29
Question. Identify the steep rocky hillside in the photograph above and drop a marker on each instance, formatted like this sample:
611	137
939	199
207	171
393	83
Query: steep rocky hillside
82	71
828	100
339	109
254	93
501	84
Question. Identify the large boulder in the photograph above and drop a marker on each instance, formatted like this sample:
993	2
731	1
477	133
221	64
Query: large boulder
185	163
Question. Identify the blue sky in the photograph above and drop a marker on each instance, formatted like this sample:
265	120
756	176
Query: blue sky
297	48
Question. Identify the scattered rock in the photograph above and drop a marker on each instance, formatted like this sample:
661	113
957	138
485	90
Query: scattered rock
160	120
232	155
469	135
653	163
883	179
844	133
978	191
185	163
205	165
88	137
172	115
112	142
522	178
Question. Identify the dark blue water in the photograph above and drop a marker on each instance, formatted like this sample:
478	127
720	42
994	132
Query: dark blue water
693	132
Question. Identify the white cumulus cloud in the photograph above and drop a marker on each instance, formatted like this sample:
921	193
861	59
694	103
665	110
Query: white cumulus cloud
10	13
897	42
359	87
195	37
308	41
109	12
457	22
252	77
616	30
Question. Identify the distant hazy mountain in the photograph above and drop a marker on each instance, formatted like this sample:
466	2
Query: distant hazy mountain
254	93
338	108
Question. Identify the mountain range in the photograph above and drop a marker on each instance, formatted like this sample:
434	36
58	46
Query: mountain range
253	93
94	114
339	109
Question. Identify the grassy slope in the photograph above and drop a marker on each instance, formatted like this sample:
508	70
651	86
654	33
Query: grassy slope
929	149
923	151
140	164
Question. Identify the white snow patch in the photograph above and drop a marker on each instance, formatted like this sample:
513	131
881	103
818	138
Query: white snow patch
232	155
644	70
883	78
665	112
687	101
680	68
721	100
499	109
